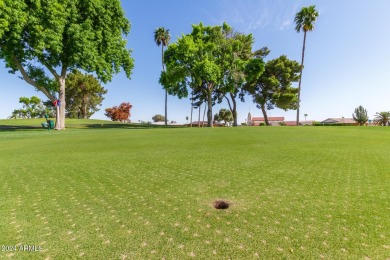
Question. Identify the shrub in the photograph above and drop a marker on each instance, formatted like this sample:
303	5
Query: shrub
121	113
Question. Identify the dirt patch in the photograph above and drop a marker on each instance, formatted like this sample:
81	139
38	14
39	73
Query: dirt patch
221	204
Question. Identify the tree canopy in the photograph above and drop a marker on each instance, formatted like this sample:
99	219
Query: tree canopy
119	113
212	62
32	108
273	88
224	115
43	40
158	118
236	52
382	118
194	62
84	95
360	115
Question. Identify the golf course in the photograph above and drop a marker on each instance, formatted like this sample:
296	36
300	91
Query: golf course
106	190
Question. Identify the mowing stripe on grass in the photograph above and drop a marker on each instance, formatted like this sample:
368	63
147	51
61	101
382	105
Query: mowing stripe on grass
294	192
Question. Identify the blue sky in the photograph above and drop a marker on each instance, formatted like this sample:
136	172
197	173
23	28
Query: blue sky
346	61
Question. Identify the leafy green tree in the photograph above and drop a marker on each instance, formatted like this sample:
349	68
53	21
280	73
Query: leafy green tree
217	118
304	21
243	66
162	37
158	118
194	62
382	118
237	56
236	52
43	38
84	95
224	115
360	115
32	108
273	87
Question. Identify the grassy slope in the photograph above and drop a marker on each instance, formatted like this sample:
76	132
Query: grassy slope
306	192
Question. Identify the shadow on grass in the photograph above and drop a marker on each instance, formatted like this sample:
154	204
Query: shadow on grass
19	128
120	126
88	126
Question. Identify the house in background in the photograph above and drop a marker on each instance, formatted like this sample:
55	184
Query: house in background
343	120
256	121
275	121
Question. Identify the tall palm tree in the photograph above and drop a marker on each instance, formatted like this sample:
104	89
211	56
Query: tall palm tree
382	118
304	21
162	37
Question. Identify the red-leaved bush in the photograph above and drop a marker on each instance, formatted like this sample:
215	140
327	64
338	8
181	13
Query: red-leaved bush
120	113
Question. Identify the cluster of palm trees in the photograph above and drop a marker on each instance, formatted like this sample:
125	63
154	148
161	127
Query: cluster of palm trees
382	118
304	21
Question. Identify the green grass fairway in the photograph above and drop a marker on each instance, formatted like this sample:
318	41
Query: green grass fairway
131	193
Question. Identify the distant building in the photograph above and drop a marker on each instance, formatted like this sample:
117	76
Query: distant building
274	121
343	120
256	121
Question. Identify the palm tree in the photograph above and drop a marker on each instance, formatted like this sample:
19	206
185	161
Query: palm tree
304	21
305	115
382	118
162	37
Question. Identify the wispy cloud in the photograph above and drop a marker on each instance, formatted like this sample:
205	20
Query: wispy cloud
285	24
252	15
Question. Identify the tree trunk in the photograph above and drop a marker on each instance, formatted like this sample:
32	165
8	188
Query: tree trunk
204	114
57	117
210	107
60	120
192	105
233	109
30	81
166	92
60	111
265	115
85	111
199	116
166	107
300	77
234	112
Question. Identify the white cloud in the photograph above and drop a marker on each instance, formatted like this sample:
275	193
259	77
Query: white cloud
251	15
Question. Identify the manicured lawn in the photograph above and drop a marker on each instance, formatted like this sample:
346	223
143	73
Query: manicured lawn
118	192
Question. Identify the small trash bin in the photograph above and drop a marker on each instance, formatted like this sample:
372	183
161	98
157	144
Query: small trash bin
50	124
